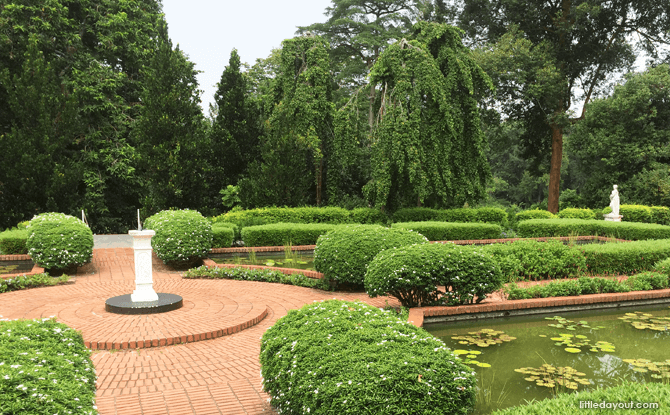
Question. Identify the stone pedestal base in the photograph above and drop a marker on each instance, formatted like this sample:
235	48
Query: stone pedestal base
613	218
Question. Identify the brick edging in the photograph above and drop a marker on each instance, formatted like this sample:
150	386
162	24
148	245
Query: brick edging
169	341
288	271
418	314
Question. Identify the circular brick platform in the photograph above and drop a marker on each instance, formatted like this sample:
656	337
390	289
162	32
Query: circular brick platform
208	312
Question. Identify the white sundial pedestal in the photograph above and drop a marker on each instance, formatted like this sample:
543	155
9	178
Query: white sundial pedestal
144	284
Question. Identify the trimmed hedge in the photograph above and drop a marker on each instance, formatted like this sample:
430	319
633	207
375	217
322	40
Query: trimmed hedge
576	213
45	369
645	281
57	241
624	258
482	214
183	237
343	255
368	216
632	213
567	288
535	228
338	357
533	214
625	393
13	242
413	273
261	275
278	234
660	215
223	235
449	231
534	260
270	215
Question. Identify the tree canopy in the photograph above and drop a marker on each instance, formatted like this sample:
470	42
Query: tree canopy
625	140
583	41
427	143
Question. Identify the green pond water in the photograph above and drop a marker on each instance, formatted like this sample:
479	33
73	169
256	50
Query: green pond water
530	342
295	260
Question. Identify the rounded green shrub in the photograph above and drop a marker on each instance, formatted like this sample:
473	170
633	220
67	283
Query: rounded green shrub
58	242
351	358
343	254
413	274
534	214
576	213
183	237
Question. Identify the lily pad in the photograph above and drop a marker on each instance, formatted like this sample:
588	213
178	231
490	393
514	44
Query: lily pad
484	338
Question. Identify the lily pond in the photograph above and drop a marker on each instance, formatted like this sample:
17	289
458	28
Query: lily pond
287	259
520	359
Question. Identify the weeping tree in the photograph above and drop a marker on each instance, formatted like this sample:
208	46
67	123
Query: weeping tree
427	144
299	129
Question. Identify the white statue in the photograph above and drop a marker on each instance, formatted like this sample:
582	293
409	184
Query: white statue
614	201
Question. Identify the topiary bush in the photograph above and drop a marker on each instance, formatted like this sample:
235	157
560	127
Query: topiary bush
183	237
631	231
343	254
59	242
575	213
453	231
533	214
413	274
278	234
458	215
223	235
337	357
13	242
46	369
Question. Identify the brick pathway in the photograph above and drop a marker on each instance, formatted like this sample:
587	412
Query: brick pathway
205	375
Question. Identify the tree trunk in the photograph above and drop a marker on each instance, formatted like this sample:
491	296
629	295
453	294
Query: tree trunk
555	171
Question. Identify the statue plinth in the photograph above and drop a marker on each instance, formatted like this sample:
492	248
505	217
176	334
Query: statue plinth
144	285
612	218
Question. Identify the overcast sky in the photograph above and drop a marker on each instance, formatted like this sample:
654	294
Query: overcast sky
207	30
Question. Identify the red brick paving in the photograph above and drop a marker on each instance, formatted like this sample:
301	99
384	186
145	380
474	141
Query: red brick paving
214	376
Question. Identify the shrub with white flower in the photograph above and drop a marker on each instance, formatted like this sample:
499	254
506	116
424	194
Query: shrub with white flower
343	254
57	241
43	365
182	238
338	357
413	274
